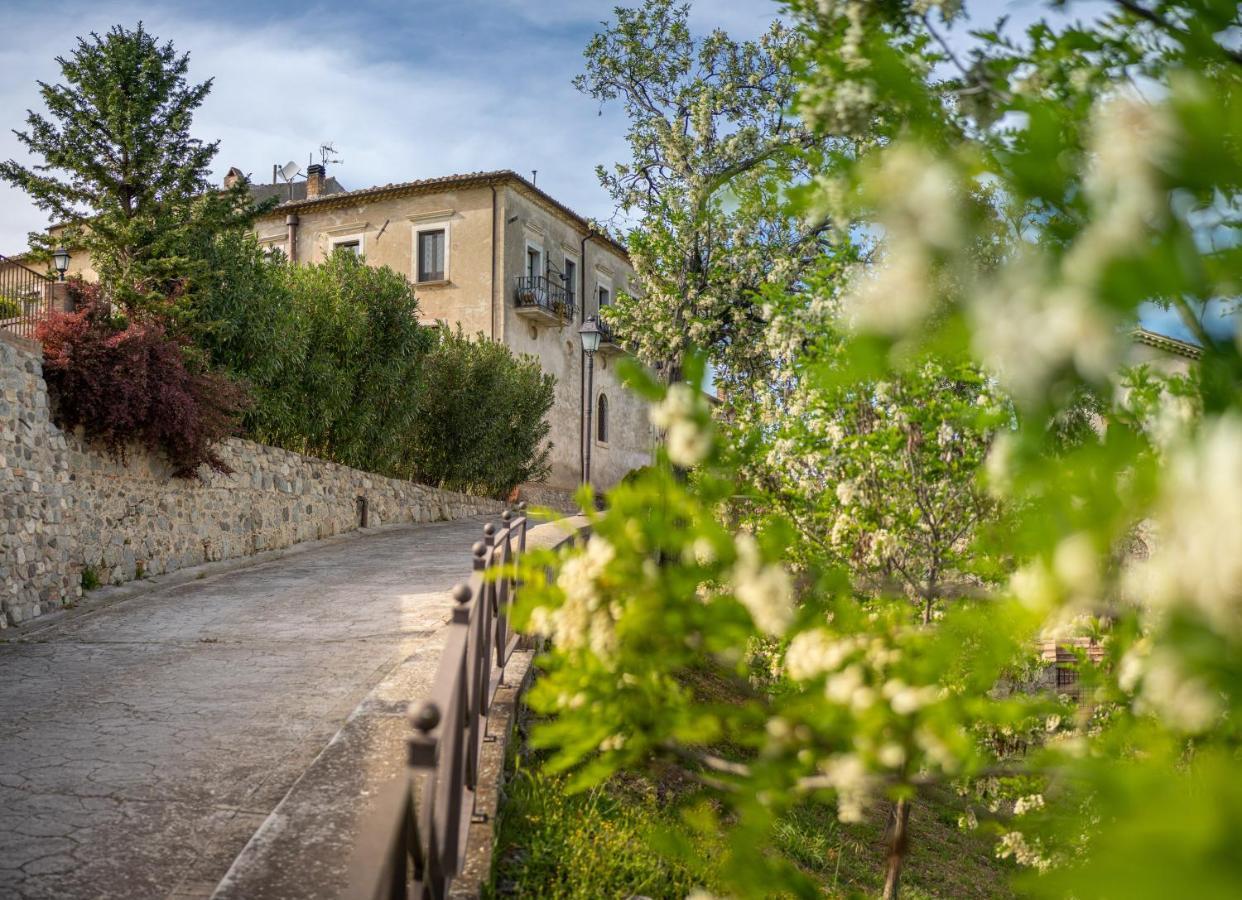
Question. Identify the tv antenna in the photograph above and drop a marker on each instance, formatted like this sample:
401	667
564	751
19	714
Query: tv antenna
327	154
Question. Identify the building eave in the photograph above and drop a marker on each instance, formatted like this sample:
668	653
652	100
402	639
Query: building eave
447	182
1167	344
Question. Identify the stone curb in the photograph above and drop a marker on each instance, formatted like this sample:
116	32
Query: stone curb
109	595
304	849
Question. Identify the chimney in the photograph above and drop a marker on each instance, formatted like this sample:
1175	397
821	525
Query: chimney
234	176
314	180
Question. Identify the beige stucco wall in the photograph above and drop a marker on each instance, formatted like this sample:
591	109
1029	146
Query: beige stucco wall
387	228
1162	361
559	348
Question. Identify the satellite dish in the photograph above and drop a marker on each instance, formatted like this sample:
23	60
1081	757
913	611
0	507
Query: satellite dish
288	170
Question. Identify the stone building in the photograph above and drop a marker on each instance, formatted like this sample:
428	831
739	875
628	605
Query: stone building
495	254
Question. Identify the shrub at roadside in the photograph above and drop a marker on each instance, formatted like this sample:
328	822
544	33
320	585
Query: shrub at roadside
356	390
130	382
245	321
481	423
340	368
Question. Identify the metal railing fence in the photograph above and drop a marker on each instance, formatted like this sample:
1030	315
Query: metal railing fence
26	298
415	842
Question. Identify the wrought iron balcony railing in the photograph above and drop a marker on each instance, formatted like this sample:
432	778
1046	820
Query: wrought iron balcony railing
608	334
540	294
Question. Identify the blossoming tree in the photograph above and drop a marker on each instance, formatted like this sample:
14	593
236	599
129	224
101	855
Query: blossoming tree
712	146
1106	160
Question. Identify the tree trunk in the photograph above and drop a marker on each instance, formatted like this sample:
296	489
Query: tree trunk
898	841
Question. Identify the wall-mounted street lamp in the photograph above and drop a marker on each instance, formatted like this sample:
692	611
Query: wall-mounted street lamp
590	334
60	259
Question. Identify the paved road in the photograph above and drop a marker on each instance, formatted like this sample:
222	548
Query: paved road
143	743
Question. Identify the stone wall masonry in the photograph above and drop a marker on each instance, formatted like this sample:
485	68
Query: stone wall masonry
67	507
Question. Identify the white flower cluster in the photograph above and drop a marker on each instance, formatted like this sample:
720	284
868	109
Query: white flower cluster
847	490
1014	844
583	620
1131	139
1024	805
1198	557
680	415
765	590
1027	325
848	776
814	652
1183	702
917	205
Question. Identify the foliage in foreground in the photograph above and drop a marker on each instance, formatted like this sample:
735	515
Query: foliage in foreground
628	837
132	383
1012	218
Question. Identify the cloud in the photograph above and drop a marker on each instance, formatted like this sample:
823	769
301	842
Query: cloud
477	99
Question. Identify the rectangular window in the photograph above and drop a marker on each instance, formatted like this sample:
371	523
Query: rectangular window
571	279
431	255
605	296
353	245
534	261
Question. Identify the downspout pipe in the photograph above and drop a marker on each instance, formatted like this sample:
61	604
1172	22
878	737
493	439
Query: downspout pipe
291	226
493	303
583	437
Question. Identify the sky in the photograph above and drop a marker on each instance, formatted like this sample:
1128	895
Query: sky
404	90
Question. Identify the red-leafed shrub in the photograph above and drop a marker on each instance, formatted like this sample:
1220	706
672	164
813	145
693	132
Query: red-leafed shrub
132	383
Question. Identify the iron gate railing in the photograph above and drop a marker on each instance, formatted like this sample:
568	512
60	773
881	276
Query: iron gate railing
415	843
25	298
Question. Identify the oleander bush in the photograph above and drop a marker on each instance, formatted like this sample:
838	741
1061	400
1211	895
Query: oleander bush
482	423
340	368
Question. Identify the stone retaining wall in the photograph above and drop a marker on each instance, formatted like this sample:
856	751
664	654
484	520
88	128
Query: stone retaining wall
66	508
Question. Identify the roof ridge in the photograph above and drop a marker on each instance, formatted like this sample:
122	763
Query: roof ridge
482	176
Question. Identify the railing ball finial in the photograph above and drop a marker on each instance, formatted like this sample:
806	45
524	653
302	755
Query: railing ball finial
425	716
461	593
480	552
522	507
506	517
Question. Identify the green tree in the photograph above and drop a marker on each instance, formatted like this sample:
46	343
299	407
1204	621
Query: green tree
244	319
482	416
713	146
356	388
119	170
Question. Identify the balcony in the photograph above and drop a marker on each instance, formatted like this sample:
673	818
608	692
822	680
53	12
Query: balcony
542	301
608	339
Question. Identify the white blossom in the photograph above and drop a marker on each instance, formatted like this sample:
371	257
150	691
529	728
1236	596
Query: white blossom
765	590
1015	844
815	652
846	492
583	620
1023	805
688	443
848	776
1198	558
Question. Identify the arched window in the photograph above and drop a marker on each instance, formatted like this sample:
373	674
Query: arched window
601	428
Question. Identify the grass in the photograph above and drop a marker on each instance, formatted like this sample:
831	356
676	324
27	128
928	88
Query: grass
596	845
90	578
